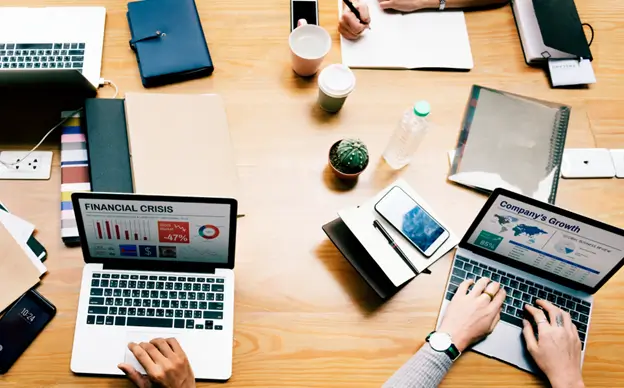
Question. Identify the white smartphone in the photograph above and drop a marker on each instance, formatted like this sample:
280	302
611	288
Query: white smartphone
412	221
303	9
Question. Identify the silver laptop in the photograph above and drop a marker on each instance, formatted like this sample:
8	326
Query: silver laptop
52	38
156	266
536	251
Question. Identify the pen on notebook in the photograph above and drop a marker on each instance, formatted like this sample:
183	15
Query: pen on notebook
384	232
355	11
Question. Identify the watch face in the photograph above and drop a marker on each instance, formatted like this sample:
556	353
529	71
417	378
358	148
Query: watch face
440	341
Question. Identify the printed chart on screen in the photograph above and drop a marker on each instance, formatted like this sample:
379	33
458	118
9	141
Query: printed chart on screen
121	230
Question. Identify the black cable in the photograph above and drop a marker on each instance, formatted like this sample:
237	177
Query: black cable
592	32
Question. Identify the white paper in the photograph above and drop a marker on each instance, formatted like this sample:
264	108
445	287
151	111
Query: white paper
360	221
425	39
21	230
565	72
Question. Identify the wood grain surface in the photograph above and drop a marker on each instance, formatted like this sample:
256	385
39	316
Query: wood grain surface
304	318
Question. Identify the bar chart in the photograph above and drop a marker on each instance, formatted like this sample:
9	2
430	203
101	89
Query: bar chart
122	230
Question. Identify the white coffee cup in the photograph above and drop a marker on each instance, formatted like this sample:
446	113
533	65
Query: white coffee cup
335	84
308	46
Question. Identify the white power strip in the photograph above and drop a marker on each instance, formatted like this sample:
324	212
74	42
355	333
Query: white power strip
37	166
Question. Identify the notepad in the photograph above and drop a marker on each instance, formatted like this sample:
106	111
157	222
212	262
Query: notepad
511	141
418	40
180	145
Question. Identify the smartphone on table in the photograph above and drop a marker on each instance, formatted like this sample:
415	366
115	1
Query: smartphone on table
21	324
303	9
412	221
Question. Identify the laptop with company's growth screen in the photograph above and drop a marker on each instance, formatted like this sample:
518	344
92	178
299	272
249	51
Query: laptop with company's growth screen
156	266
536	251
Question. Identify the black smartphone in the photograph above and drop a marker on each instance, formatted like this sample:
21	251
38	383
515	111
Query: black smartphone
21	324
303	9
412	221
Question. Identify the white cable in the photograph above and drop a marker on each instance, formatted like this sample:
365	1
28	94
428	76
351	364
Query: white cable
11	165
111	83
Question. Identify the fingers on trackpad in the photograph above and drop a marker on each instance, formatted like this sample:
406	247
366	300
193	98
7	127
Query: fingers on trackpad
137	337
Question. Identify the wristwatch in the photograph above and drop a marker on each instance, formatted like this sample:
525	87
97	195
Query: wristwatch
442	342
442	5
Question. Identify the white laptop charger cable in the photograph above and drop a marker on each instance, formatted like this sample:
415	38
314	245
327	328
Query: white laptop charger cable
13	165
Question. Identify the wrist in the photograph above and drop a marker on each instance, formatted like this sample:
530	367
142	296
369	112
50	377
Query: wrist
428	4
460	341
566	381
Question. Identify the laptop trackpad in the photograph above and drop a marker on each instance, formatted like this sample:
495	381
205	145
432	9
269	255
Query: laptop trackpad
137	337
506	343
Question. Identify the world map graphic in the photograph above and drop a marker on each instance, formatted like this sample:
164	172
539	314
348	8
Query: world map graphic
510	222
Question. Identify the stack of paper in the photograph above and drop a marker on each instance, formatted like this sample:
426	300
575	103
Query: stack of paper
20	258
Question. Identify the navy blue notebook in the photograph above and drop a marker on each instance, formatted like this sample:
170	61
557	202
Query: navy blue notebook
168	40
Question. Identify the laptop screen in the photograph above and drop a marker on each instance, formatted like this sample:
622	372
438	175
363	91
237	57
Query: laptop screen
149	230
549	241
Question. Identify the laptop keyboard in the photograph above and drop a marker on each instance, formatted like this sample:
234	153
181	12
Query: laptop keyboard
42	56
519	293
180	302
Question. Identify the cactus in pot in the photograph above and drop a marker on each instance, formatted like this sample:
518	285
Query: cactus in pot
348	158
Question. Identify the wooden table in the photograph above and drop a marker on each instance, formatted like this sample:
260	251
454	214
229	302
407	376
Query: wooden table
303	316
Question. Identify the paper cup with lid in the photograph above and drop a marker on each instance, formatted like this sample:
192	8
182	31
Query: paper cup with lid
335	84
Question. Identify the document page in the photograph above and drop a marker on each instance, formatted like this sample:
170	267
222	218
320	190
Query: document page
395	40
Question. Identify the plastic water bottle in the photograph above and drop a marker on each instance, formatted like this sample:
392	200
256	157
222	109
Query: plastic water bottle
408	135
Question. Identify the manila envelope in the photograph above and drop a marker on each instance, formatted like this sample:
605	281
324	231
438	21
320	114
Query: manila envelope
17	272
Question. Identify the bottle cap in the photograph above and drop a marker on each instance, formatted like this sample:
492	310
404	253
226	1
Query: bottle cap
422	108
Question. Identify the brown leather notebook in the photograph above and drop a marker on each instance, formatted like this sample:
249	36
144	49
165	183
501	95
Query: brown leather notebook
180	145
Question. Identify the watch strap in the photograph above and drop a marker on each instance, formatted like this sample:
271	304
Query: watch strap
452	352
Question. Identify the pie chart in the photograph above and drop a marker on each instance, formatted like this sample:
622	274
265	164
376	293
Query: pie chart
209	232
565	247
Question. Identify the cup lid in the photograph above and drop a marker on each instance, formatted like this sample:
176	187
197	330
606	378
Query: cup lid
337	80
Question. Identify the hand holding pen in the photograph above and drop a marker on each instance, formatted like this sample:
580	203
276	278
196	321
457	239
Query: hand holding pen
355	19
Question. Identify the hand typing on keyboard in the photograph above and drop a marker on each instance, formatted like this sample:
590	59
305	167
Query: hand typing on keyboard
473	315
165	363
557	348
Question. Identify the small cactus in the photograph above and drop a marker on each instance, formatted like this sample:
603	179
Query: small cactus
349	156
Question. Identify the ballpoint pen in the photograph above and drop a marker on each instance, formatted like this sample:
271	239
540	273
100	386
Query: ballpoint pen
384	232
355	11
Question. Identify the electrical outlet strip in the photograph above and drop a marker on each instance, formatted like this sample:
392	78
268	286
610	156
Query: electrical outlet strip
37	166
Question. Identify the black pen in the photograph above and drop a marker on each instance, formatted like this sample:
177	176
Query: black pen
377	224
355	11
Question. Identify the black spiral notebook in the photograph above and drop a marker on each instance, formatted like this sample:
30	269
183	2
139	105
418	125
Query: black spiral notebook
511	141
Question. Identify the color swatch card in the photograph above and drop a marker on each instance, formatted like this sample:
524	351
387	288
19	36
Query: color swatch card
74	174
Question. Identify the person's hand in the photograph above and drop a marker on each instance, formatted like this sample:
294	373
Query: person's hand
471	316
165	363
557	350
349	26
408	5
